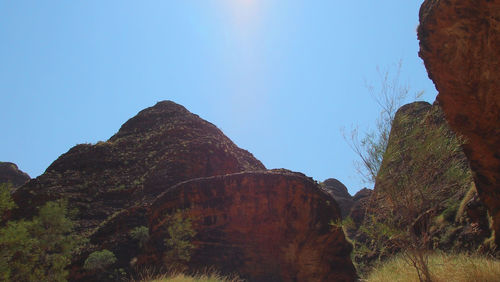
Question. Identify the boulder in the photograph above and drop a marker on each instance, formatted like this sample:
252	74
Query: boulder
266	226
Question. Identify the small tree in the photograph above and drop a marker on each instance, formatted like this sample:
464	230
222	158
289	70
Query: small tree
179	244
422	155
422	169
370	147
38	249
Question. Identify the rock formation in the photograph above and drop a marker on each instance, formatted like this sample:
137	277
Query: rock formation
266	226
437	181
361	201
112	183
339	192
10	173
159	147
262	225
459	43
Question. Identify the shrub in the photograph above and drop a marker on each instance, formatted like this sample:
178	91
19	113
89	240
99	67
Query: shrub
141	234
6	202
180	233
99	260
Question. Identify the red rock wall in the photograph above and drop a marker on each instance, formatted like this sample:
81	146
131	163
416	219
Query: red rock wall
460	46
266	226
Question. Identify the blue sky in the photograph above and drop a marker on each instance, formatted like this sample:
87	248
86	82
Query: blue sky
278	77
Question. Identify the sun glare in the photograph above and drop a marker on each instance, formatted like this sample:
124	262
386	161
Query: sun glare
243	13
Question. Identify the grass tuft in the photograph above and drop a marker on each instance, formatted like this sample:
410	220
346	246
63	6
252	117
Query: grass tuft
443	267
150	275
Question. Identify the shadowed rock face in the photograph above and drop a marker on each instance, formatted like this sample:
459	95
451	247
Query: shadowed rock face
10	173
459	45
361	200
266	226
340	194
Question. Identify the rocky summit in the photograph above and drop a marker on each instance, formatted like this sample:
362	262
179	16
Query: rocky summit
10	173
159	147
263	225
459	45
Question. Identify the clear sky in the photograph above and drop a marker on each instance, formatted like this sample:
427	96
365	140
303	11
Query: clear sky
278	77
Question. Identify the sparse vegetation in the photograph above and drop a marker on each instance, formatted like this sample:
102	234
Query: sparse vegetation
443	268
206	276
415	161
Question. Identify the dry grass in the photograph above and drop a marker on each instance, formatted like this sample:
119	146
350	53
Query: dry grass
207	276
197	278
444	268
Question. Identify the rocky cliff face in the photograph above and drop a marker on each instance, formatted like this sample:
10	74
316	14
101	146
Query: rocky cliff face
267	226
9	172
459	42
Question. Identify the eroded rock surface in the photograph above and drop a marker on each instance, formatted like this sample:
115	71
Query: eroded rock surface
159	147
459	43
10	173
112	183
266	226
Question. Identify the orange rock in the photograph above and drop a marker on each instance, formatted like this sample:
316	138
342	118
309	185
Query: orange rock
460	46
266	226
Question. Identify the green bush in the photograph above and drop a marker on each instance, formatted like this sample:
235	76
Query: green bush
6	202
141	234
180	233
40	249
99	260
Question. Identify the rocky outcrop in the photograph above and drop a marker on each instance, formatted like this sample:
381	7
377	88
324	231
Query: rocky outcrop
424	180
266	226
10	173
459	42
112	183
159	147
339	192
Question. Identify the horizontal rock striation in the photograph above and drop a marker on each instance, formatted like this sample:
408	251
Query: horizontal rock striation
266	226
